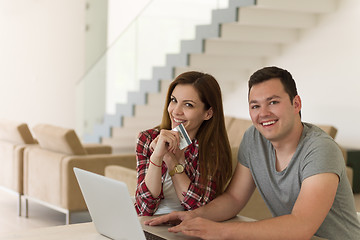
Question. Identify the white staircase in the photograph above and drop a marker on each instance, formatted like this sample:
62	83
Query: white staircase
123	139
260	32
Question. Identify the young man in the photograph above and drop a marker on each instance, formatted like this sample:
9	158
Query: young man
298	169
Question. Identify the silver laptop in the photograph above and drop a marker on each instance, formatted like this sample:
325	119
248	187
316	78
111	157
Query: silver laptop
110	206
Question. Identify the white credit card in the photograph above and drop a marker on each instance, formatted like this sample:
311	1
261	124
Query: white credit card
184	136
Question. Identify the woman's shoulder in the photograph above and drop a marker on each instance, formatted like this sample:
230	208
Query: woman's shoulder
149	133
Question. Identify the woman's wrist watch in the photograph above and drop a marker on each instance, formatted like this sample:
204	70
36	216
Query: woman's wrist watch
177	169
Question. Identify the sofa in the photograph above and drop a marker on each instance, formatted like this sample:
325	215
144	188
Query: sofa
236	127
14	138
48	168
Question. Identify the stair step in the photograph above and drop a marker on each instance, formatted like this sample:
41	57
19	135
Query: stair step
258	16
211	61
164	85
221	75
310	6
256	34
228	80
156	99
145	111
121	145
118	141
129	132
123	150
142	123
227	87
241	48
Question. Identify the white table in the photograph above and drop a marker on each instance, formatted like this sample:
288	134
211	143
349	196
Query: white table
87	231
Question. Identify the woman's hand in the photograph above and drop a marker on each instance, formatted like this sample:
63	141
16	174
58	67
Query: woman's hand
172	159
173	218
166	142
153	143
165	148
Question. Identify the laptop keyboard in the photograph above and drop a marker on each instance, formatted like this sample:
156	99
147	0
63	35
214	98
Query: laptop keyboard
151	236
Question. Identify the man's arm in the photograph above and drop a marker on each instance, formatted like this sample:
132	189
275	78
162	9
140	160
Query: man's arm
230	203
313	204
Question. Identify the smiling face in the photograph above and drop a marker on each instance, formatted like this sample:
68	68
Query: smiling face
272	112
186	107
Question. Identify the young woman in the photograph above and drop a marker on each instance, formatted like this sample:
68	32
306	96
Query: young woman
170	179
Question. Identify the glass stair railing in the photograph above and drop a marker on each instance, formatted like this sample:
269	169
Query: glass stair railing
152	39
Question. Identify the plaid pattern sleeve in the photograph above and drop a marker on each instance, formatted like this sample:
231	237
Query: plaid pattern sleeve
145	203
197	194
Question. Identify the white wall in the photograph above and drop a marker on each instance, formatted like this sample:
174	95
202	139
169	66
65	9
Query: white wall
119	17
41	58
325	63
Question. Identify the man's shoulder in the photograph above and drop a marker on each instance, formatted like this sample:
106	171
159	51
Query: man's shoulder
315	137
252	133
251	130
252	137
313	132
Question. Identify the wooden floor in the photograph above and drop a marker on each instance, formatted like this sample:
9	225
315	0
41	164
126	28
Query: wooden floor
41	216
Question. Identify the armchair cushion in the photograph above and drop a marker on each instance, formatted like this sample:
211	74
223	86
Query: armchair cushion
236	130
59	139
331	130
15	132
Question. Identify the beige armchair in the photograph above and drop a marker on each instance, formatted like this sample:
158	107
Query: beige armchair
48	168
14	137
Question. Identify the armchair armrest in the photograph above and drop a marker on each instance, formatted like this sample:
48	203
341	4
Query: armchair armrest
71	197
126	175
95	148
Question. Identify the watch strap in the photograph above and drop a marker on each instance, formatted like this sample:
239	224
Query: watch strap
177	169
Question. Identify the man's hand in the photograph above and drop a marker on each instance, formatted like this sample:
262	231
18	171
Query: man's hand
189	224
173	218
200	227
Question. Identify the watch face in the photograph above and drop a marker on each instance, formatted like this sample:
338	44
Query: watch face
179	168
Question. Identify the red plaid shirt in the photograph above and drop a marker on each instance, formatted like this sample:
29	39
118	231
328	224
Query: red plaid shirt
145	203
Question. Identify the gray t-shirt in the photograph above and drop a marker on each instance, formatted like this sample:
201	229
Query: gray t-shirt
316	153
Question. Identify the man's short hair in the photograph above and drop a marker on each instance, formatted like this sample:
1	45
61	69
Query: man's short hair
268	73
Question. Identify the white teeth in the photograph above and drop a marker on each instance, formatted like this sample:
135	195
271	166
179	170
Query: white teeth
268	123
178	121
